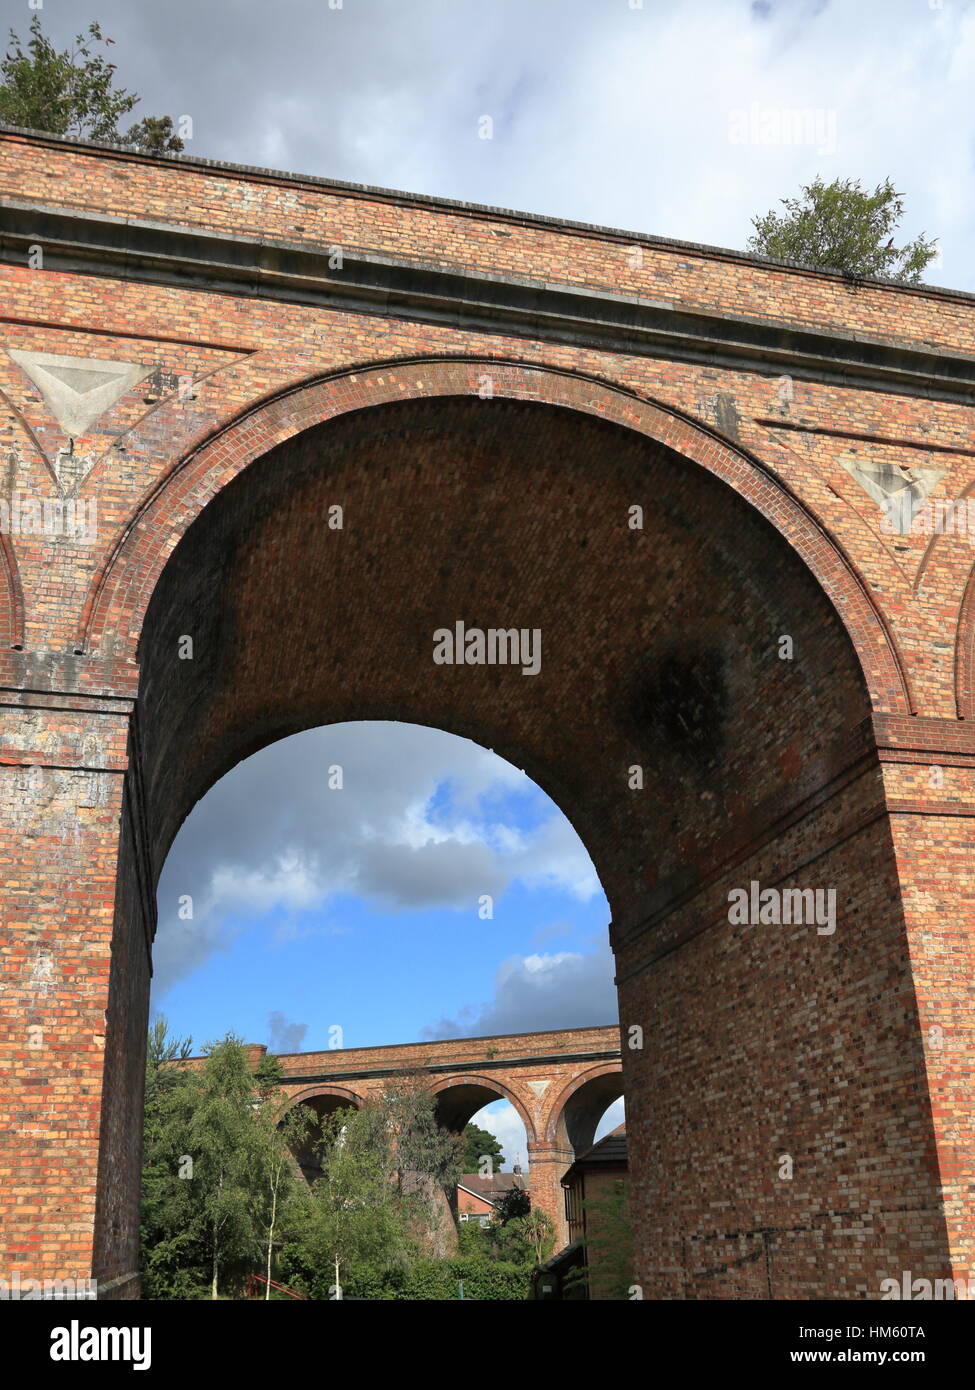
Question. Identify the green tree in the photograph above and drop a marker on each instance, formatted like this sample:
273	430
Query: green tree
527	1239
840	226
418	1143
511	1204
161	1050
426	1160
218	1182
172	1259
73	92
478	1145
281	1133
357	1220
222	1139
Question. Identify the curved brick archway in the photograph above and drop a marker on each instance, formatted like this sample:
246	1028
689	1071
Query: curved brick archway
471	1089
114	610
594	1090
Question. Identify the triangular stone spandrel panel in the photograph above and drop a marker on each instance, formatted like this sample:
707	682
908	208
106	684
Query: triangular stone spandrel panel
897	489
77	390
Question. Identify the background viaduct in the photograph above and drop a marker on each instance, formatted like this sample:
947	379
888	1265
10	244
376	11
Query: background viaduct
560	1083
668	459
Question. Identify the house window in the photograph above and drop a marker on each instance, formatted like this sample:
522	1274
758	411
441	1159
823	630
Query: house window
463	1216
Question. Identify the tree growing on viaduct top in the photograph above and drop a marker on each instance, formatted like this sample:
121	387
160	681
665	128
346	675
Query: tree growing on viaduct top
73	92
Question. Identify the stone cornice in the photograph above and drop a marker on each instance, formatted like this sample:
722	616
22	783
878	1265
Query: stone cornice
153	252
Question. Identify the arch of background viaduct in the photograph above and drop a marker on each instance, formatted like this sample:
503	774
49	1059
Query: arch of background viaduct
677	335
501	1090
341	1093
557	1106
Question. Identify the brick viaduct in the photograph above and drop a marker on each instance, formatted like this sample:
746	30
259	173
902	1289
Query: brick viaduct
669	459
560	1083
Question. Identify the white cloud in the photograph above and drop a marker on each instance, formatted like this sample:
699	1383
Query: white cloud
614	1116
503	1121
534	993
415	824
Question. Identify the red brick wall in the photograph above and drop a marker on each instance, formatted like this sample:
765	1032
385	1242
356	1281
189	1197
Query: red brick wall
467	1201
755	1040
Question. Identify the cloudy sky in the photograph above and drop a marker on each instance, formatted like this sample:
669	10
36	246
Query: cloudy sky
618	112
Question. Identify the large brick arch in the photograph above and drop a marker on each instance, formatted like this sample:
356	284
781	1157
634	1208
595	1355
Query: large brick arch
116	605
555	1128
499	1089
661	652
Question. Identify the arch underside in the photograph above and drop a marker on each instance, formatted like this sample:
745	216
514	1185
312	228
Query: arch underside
659	645
581	1110
459	1100
114	611
322	1102
699	714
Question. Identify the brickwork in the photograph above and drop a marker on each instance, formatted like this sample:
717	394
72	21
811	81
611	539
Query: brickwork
486	445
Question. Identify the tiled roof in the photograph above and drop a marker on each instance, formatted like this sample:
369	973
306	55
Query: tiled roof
493	1187
610	1149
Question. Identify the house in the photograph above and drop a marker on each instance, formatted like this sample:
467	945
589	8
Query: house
595	1263
477	1196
